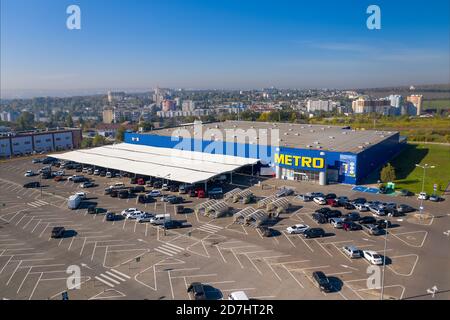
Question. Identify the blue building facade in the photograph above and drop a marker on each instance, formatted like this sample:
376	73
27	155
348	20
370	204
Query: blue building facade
289	163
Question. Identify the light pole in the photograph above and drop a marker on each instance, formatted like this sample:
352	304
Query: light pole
424	167
384	259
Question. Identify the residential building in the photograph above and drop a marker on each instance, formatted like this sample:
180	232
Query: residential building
416	100
367	105
320	105
116	96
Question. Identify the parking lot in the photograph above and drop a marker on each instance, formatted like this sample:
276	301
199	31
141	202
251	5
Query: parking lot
124	259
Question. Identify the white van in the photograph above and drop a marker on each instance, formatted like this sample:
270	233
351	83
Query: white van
74	202
159	219
238	295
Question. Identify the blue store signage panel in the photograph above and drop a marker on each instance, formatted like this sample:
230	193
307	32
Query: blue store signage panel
300	159
348	165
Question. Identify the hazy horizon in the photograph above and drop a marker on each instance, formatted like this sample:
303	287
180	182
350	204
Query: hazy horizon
137	46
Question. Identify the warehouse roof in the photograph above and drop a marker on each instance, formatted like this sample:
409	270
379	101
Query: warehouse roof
302	136
173	164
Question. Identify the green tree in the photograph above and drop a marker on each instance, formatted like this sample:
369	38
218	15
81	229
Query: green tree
86	143
98	140
387	174
120	135
25	121
69	121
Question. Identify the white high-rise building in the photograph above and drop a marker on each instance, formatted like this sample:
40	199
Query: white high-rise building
320	105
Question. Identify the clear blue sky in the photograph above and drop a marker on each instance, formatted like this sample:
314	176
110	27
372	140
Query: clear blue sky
126	44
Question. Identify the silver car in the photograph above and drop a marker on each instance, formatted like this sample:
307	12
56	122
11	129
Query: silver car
352	251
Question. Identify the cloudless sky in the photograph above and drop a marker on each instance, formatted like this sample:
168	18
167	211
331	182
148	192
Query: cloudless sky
137	44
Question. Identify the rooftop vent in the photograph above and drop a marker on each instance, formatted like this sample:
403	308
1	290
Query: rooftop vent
311	131
361	147
316	142
308	146
331	137
286	134
297	134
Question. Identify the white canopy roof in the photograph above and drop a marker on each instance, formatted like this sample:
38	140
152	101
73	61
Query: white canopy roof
173	164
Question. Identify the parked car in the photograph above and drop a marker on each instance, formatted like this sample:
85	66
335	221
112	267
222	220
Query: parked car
173	188
359	201
91	210
58	232
157	184
36	161
373	257
238	295
134	214
165	187
29	173
174	224
140	181
137	189
82	195
133	180
145	217
315	194
154	193
406	193
58	178
332	214
284	192
192	193
322	281
182	189
111	216
266	231
332	202
96	172
352	252
323	210
142	198
422	196
351	226
367	220
200	193
175	200
404	208
342	200
215	193
383	224
378	211
304	197
124	194
34	184
348	206
114	193
330	196
87	184
314	233
127	211
319	218
297	228
179	209
352	216
109	174
372	229
197	290
336	222
320	200
435	198
361	207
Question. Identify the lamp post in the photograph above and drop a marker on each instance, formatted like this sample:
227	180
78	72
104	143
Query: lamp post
424	167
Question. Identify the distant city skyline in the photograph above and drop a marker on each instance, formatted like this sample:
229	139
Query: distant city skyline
135	46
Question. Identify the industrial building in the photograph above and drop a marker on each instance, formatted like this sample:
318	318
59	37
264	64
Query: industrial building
195	153
21	143
302	152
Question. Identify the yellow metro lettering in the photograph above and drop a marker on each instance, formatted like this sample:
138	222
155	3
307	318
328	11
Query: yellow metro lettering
318	163
288	160
279	158
306	162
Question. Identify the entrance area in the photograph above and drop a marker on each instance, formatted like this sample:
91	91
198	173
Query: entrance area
300	175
